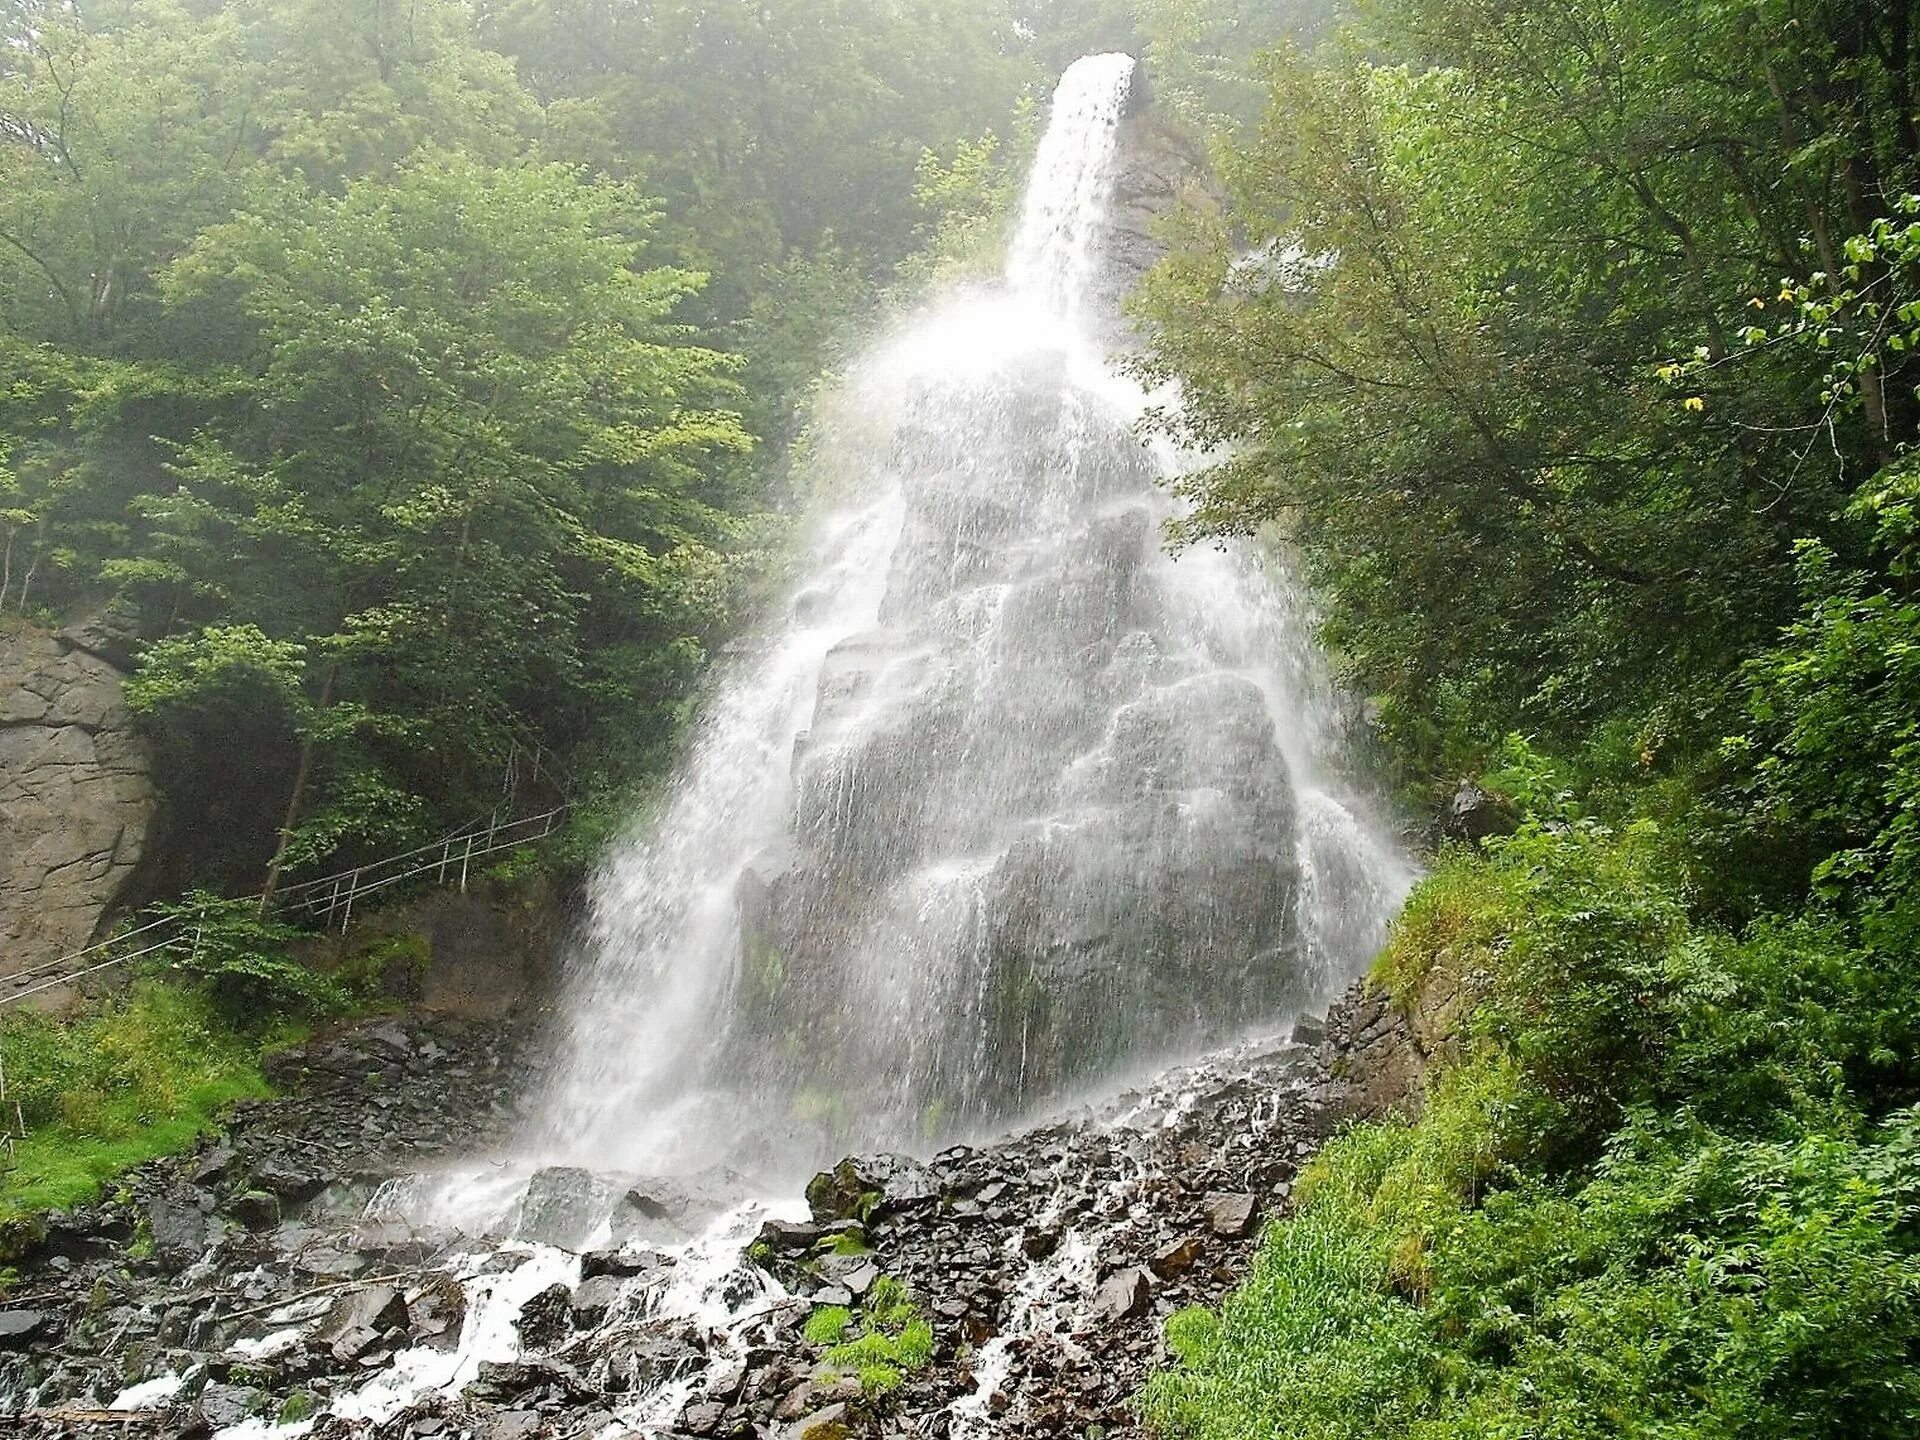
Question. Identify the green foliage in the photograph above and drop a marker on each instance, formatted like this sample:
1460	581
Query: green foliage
1669	1191
827	1325
894	1339
385	970
240	956
1474	228
102	1091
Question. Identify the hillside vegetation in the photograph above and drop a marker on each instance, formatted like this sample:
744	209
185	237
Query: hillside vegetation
1574	343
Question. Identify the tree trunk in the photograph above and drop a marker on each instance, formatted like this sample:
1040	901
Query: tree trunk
301	773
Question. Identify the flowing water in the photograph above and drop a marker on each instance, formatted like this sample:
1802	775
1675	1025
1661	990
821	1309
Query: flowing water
1009	800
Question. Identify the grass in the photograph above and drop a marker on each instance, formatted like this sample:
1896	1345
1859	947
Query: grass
143	1075
895	1340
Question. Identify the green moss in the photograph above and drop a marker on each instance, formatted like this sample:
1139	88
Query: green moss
1454	921
296	1407
393	967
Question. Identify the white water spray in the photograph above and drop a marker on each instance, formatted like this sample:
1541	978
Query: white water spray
1008	801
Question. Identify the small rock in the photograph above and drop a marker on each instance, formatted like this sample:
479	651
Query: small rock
511	1425
789	1235
618	1260
1039	1244
592	1299
255	1209
293	1183
356	1321
17	1327
1125	1295
1175	1257
702	1417
829	1423
1229	1215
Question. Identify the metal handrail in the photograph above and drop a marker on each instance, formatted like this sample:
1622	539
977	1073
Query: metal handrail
343	890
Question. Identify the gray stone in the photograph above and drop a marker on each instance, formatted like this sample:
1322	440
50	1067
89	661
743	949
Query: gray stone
1230	1215
1125	1295
224	1405
511	1425
255	1209
563	1206
592	1299
356	1320
180	1230
618	1260
76	797
17	1327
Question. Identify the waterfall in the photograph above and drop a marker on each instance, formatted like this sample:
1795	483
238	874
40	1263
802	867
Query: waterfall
1006	800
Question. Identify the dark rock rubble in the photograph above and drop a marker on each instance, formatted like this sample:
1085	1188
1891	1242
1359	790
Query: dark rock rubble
269	1285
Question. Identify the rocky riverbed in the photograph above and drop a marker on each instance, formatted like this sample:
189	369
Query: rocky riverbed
312	1273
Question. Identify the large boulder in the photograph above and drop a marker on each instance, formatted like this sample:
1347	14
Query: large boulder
77	801
868	1187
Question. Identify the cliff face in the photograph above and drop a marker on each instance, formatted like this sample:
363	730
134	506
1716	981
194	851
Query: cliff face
1161	166
77	800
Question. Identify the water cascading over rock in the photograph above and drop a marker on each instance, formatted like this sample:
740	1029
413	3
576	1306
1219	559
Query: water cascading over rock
1010	800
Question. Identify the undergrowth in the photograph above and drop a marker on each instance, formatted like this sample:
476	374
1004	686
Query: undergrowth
1671	1188
141	1075
893	1341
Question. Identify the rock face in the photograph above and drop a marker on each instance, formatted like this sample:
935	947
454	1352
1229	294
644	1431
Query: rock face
76	797
1161	165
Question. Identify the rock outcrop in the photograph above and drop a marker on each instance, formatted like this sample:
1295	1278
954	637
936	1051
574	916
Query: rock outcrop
77	800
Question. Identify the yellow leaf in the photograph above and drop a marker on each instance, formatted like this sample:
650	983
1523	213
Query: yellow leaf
1696	403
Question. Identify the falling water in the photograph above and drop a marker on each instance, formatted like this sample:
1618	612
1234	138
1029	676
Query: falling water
1007	800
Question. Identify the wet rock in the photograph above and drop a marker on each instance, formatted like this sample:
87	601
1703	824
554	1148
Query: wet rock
666	1209
437	1312
213	1166
180	1229
545	1319
834	1422
703	1417
255	1209
789	1235
870	1187
1176	1257
1230	1215
592	1299
224	1405
854	1273
562	1207
1124	1295
292	1182
1039	1244
618	1260
356	1322
17	1327
501	1381
511	1425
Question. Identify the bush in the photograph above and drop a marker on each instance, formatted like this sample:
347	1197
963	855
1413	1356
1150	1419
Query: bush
1671	1189
242	957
